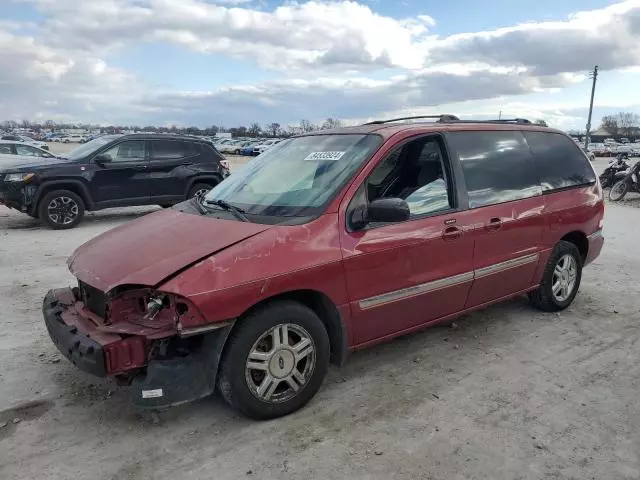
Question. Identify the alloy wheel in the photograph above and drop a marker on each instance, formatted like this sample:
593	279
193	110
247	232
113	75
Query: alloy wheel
63	210
200	193
280	363
564	277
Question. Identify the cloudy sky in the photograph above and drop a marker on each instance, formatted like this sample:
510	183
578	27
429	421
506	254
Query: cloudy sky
231	62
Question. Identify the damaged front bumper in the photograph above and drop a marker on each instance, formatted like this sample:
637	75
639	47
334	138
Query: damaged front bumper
73	342
17	195
156	382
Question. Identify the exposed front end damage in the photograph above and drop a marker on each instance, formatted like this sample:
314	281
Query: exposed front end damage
19	196
156	342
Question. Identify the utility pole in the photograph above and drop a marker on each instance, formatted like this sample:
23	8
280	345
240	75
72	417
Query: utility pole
500	115
594	76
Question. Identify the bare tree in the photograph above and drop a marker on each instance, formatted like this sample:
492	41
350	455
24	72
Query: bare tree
306	126
541	123
273	129
254	129
628	122
610	124
331	123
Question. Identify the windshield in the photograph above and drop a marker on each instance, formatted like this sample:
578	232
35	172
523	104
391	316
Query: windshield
90	147
296	177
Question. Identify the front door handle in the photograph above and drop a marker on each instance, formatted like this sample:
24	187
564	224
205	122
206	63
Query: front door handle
494	224
452	233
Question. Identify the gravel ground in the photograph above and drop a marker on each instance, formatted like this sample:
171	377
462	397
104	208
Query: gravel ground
509	393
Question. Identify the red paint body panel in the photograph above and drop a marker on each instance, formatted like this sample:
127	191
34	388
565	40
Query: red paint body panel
147	250
519	234
402	255
577	209
281	259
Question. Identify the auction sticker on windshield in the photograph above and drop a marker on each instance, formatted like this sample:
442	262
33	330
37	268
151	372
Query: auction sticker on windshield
324	156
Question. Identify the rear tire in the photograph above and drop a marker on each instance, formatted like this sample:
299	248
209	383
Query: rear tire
560	280
199	189
61	209
619	190
274	361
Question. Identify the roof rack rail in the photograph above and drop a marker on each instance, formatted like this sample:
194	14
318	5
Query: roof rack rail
523	121
440	118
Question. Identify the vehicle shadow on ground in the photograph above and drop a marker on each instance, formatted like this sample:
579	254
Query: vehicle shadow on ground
25	222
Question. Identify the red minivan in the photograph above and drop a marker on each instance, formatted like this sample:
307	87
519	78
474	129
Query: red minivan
327	243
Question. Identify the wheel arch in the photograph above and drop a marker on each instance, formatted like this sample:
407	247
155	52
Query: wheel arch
212	179
326	310
74	186
579	239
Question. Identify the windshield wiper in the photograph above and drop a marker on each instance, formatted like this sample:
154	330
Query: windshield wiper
236	211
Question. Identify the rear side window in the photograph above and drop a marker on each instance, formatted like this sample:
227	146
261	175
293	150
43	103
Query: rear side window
560	162
170	149
209	148
498	166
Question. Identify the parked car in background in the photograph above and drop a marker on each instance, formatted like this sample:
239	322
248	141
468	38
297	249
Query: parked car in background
111	171
330	243
590	154
234	148
12	147
266	145
250	149
74	139
24	139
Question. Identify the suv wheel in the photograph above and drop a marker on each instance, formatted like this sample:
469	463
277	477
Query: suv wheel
561	279
61	209
274	361
199	190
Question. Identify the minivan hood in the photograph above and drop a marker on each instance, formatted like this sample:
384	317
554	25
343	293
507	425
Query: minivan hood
148	250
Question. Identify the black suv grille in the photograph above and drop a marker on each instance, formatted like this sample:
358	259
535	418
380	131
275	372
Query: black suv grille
94	299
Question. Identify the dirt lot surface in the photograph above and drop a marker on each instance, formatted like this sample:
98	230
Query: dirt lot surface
511	393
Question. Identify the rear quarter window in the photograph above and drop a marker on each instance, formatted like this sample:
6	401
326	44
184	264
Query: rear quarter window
559	161
497	166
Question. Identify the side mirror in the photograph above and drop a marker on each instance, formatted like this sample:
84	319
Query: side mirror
102	159
386	210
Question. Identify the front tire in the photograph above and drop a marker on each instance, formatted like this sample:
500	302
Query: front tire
560	280
274	361
619	190
61	209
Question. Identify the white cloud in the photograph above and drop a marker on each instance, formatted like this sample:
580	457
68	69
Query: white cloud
293	35
329	50
609	37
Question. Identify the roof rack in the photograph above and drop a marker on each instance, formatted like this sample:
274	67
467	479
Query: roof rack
440	118
448	118
500	120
